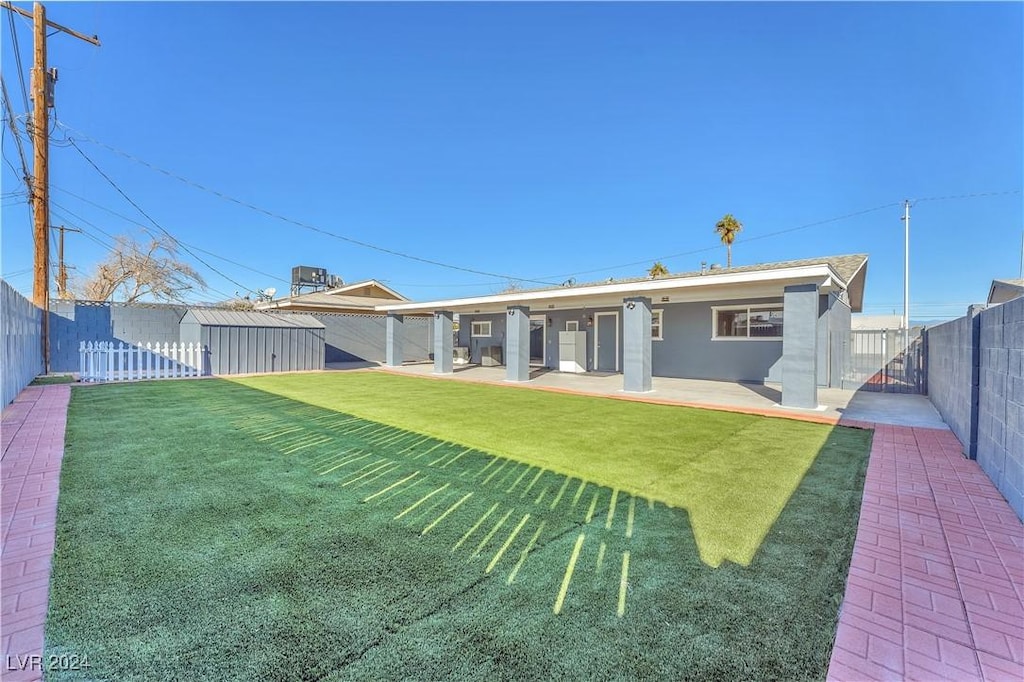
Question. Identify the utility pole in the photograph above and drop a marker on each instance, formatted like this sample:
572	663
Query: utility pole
42	100
62	268
906	274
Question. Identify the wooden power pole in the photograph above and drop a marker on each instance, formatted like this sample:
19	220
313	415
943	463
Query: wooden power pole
62	268
42	100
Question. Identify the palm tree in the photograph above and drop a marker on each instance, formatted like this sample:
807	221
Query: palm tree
657	270
727	228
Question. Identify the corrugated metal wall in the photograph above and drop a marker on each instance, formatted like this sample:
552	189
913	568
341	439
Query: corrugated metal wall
249	350
23	341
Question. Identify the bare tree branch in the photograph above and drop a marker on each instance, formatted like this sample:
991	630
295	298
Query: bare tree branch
133	271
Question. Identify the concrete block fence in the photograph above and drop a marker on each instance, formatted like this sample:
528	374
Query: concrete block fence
976	382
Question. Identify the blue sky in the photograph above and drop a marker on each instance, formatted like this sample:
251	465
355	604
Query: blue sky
538	140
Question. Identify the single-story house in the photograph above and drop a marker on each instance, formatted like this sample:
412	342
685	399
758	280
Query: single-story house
1003	290
359	297
786	322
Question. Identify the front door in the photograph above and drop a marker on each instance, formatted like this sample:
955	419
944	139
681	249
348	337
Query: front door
538	334
606	335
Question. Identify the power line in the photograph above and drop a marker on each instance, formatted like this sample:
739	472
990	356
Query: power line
155	223
967	196
299	223
111	247
17	60
138	224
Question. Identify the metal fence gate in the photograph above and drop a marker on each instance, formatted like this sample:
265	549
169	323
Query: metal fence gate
878	361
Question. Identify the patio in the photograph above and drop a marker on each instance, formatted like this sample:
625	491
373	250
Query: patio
836	404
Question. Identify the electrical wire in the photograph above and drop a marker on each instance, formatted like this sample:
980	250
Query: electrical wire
298	223
17	59
138	224
156	224
108	247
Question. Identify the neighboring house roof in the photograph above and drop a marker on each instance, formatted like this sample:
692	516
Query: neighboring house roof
1003	290
873	322
832	273
358	297
238	318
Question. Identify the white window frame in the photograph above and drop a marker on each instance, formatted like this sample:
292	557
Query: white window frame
575	325
747	307
472	329
660	314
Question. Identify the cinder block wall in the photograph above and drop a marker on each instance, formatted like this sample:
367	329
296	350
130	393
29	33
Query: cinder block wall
72	322
950	350
995	410
1001	400
353	337
23	341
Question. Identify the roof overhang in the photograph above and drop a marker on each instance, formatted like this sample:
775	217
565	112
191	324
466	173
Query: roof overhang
709	287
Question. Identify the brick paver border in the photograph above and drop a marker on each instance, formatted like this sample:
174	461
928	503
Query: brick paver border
33	446
934	591
937	576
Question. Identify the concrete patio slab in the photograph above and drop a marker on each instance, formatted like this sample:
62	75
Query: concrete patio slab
836	404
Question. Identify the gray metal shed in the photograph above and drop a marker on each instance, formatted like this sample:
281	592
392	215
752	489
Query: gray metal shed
248	342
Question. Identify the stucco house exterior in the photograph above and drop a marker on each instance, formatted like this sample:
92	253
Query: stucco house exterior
358	297
785	322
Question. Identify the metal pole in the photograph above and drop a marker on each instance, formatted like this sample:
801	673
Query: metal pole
906	274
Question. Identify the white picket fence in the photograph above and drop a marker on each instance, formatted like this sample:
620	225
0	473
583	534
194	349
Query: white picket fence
103	361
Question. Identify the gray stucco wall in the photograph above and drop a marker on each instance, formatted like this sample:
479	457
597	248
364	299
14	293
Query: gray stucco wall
687	349
986	347
23	341
839	324
1001	400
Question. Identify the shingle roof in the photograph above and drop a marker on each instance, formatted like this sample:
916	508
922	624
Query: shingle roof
239	318
845	266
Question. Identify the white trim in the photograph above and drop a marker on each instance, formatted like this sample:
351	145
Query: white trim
660	312
597	317
474	335
820	274
544	349
748	307
575	328
364	283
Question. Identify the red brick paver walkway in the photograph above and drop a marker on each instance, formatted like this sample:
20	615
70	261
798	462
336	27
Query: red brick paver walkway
936	583
33	445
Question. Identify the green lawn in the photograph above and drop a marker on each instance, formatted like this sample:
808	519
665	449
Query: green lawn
733	473
210	530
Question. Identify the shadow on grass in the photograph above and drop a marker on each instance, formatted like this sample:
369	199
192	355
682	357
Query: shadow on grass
220	532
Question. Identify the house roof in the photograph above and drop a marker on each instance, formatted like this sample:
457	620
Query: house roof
844	273
239	318
1003	290
338	299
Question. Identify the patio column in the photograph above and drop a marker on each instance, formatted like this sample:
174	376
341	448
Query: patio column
517	344
394	340
800	346
636	348
443	342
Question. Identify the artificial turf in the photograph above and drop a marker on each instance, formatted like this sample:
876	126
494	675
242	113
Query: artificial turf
733	473
209	530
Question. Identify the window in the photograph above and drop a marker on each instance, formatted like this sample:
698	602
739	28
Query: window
481	328
748	322
656	318
572	326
